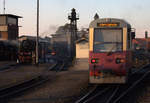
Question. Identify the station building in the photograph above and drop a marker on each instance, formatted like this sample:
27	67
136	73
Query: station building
82	44
9	29
82	48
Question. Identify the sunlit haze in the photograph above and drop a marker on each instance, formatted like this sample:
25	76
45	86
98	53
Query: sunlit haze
53	13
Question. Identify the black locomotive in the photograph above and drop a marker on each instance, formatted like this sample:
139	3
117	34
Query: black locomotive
27	50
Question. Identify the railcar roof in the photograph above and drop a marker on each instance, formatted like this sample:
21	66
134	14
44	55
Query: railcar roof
122	22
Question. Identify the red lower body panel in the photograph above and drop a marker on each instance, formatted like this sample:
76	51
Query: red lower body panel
116	64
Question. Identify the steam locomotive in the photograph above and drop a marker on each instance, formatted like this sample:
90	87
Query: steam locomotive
27	50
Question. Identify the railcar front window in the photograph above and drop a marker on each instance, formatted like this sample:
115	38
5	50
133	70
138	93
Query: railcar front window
108	40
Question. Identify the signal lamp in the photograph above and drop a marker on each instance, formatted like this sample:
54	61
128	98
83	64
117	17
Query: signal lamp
53	53
94	61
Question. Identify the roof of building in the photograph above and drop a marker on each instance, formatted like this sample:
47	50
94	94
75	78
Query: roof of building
82	40
11	15
24	37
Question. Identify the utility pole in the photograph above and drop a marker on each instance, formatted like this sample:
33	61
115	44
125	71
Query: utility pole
37	38
4	8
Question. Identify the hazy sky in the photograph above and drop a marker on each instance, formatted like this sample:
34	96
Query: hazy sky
53	13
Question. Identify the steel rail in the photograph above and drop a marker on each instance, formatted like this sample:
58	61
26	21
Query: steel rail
114	93
53	66
91	95
57	67
146	66
87	95
131	87
96	95
61	67
9	67
6	93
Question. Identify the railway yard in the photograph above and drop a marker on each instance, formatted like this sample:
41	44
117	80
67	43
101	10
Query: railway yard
103	63
59	88
47	84
44	83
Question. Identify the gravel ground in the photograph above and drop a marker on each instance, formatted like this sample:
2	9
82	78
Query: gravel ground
19	74
5	63
62	87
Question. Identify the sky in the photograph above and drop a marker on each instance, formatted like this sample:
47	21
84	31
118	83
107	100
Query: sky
53	13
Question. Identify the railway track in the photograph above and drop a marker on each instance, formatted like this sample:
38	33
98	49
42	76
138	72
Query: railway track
145	98
9	67
59	66
10	92
127	93
100	94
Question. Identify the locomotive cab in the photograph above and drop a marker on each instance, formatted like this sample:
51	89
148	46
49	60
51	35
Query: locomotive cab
110	55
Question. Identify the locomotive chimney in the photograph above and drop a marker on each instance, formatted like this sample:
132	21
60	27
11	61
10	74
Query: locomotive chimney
146	34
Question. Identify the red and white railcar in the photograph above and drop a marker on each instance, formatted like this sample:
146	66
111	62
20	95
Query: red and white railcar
110	52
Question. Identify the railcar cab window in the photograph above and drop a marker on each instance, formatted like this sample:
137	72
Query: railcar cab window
108	40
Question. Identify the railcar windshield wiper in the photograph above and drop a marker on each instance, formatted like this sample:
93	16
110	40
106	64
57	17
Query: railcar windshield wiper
110	51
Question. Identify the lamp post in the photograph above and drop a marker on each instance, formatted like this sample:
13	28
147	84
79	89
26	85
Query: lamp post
37	38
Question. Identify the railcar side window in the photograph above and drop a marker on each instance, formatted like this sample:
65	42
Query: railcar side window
106	40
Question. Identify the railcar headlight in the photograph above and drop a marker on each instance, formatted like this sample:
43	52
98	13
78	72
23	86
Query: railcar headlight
119	60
